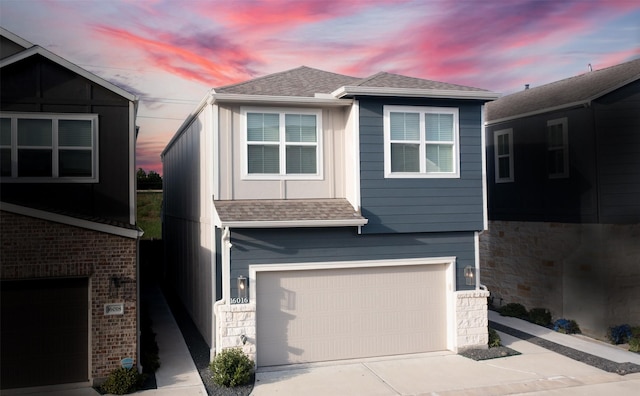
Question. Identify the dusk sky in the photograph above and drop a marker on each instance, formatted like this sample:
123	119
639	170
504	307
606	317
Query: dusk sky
171	52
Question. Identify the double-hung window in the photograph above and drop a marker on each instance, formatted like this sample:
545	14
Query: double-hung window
282	143
503	153
43	147
421	142
557	148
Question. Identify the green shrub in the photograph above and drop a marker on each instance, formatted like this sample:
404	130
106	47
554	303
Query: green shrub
122	380
540	316
619	334
514	310
566	326
494	338
231	367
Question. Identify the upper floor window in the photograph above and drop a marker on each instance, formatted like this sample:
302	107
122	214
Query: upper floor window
503	149
421	142
39	147
282	143
557	148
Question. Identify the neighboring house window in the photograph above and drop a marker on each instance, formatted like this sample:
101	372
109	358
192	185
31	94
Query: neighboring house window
421	141
557	148
282	142
503	146
43	147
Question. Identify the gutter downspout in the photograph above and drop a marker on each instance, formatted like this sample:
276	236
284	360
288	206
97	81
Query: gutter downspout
226	286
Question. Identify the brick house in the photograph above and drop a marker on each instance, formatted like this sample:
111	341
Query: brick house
68	235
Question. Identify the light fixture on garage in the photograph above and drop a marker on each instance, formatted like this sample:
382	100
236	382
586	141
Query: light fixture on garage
242	288
469	275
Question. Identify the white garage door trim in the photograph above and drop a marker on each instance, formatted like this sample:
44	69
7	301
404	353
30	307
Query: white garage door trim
448	262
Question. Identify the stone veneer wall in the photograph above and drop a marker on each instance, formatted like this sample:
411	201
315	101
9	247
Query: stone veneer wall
32	248
586	272
471	319
233	321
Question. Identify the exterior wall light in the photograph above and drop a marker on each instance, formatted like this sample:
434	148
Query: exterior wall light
242	288
469	275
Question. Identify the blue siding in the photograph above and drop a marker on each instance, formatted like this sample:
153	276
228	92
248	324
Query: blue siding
281	246
420	205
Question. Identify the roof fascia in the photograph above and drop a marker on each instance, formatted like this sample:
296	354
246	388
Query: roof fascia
579	103
72	221
65	63
281	100
294	223
15	38
349	90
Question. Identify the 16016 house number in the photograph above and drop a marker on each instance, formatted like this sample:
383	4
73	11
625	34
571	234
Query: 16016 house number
239	300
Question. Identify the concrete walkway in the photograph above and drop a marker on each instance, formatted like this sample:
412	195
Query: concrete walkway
537	371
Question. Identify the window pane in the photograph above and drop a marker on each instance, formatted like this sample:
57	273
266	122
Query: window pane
503	144
439	127
300	128
74	133
5	162
503	168
555	135
263	127
405	157
5	131
405	126
34	133
439	158
301	159
556	161
263	159
74	163
34	162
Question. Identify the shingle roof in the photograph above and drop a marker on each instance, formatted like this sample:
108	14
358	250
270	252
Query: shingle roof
302	81
570	91
306	81
390	80
320	211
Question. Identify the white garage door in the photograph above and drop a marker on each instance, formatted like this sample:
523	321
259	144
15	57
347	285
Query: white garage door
330	314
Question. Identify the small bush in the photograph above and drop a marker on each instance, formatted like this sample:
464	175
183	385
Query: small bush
514	310
566	326
540	316
634	344
121	381
619	334
494	338
231	367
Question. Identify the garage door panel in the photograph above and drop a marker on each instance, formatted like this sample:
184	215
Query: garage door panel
328	314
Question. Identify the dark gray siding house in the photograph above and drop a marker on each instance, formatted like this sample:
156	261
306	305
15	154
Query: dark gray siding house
330	217
68	261
563	176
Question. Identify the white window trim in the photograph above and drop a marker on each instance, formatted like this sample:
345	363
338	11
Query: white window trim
497	134
282	144
14	178
423	174
565	147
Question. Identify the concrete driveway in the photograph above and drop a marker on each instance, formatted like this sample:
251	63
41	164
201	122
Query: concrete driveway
537	371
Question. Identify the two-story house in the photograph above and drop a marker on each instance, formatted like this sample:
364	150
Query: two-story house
313	216
564	198
68	253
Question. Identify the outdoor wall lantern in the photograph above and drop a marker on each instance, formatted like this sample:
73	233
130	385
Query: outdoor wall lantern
469	275
242	288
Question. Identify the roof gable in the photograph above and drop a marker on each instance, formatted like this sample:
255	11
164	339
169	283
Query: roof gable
569	92
37	50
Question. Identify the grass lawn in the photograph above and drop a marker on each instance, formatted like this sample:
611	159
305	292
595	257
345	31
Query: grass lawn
149	204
